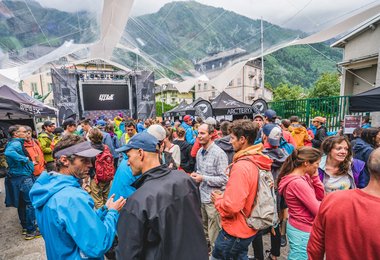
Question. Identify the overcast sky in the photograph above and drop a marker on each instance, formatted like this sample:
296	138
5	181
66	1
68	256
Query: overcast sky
307	15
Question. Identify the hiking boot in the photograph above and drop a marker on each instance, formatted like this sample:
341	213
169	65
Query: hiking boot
284	241
24	231
32	235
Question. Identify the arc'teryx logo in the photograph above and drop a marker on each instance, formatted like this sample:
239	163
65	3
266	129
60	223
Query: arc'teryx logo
106	97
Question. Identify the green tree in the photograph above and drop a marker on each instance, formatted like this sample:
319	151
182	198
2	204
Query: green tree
286	92
167	107
326	86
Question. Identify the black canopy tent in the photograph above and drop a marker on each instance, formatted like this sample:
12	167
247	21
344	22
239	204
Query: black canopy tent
16	105
225	105
368	101
172	112
19	108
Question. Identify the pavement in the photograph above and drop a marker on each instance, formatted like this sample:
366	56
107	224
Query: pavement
14	246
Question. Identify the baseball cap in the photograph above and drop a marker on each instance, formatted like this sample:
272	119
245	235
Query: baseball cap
68	121
274	133
157	131
258	115
81	149
270	114
210	121
144	141
48	123
188	118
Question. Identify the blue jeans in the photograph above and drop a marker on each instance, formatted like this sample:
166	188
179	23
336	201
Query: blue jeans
25	209
228	247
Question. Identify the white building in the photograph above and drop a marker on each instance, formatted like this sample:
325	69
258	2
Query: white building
245	87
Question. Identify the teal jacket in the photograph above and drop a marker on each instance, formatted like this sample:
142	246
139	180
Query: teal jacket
18	162
65	214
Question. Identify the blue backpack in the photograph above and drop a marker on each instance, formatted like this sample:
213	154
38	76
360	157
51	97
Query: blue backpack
286	146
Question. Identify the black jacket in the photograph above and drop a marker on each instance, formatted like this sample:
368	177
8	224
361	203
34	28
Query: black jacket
162	219
187	161
226	146
320	135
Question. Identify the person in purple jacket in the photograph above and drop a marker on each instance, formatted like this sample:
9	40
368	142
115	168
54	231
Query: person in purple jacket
337	169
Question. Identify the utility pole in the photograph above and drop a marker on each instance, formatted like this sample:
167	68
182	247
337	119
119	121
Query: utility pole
262	59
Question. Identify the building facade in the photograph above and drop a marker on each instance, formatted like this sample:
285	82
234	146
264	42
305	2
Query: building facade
361	64
168	94
245	87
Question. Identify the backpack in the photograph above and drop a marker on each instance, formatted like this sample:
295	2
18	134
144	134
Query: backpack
104	167
286	146
264	212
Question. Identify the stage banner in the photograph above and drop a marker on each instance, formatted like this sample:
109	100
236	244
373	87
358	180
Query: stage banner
146	104
65	94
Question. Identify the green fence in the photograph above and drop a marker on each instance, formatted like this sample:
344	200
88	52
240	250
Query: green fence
332	108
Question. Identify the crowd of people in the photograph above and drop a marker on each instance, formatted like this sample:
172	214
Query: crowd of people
133	189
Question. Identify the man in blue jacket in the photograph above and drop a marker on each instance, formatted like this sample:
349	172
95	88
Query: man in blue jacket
187	124
65	212
20	180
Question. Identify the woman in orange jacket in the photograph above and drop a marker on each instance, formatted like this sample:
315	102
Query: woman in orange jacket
34	149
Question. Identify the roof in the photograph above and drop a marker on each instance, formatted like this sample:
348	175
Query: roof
364	26
223	54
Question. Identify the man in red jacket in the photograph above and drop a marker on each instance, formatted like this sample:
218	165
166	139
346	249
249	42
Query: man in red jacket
234	238
345	227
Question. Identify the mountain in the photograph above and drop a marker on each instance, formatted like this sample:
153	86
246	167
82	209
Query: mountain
181	33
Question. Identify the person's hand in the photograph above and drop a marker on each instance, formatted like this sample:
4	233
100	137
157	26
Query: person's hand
196	177
216	194
118	204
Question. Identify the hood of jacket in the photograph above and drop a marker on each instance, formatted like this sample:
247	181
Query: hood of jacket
361	147
296	128
254	154
285	181
154	173
277	155
49	184
225	144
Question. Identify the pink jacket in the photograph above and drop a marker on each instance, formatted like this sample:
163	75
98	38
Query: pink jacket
303	195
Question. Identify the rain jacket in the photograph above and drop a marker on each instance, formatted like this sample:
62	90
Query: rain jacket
45	140
241	191
162	219
35	152
66	218
362	150
226	146
17	158
356	173
299	134
303	195
190	134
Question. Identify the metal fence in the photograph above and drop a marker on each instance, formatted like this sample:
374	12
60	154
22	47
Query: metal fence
332	108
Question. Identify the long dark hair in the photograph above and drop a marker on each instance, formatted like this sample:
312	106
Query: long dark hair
329	143
297	158
369	136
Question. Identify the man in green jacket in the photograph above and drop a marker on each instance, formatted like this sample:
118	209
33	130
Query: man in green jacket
45	138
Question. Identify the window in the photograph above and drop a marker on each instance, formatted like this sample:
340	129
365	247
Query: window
231	83
34	87
238	81
199	86
220	64
213	94
50	86
205	86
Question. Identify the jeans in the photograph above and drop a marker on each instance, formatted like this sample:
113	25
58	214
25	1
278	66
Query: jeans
228	247
25	209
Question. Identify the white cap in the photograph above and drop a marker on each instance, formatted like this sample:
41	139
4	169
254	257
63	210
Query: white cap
157	131
210	121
